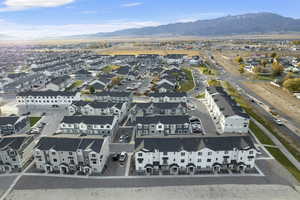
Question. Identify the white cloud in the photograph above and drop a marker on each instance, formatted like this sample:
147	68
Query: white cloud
133	4
39	31
15	5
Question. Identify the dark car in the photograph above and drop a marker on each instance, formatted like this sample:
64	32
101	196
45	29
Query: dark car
115	157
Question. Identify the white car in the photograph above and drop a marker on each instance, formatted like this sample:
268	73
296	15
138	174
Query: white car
279	122
123	157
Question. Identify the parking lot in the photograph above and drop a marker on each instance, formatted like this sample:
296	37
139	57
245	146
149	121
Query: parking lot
115	168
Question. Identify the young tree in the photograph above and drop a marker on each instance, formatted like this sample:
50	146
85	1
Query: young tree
273	55
239	59
264	63
242	69
292	85
92	89
277	69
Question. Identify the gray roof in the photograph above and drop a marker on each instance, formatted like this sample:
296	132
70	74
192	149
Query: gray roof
113	94
99	104
12	142
8	120
69	144
164	105
46	93
164	119
168	94
226	104
90	119
168	144
60	80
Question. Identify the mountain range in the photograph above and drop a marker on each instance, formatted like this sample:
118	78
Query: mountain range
252	23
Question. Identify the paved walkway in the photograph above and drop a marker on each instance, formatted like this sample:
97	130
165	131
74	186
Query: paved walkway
279	145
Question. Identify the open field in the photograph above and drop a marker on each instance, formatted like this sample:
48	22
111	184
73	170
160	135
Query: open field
215	192
137	52
278	98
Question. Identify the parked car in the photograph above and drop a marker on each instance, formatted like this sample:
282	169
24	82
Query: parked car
123	138
115	157
123	157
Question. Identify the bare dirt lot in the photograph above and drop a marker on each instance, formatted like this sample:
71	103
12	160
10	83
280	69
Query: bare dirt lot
215	192
278	98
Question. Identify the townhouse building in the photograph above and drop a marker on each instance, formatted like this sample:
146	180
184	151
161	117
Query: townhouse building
174	97
59	83
186	155
163	125
227	114
89	125
14	125
47	98
117	97
151	109
15	152
98	108
70	155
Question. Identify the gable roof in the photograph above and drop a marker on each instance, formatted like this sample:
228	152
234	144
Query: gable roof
46	93
88	119
168	144
164	119
69	144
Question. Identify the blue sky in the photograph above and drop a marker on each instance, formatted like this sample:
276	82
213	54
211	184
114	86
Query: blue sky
38	18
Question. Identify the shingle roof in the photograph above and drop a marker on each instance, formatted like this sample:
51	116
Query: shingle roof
46	93
168	94
8	120
195	143
226	104
12	142
164	119
89	119
113	94
69	144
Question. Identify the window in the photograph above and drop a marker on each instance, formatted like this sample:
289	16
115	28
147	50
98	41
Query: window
53	153
93	155
140	154
199	153
70	153
182	153
226	152
250	152
182	160
54	160
209	153
199	160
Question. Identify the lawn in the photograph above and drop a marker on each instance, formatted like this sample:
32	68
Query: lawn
213	82
110	68
201	96
189	83
261	136
33	120
76	84
280	157
207	71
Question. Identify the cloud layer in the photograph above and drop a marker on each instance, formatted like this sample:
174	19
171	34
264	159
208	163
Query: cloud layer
15	5
39	31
